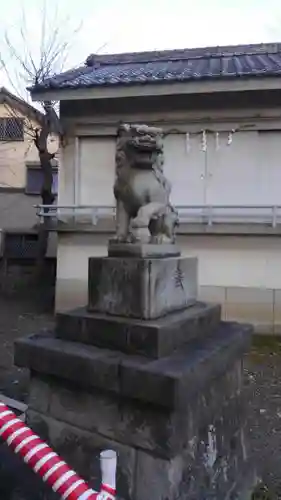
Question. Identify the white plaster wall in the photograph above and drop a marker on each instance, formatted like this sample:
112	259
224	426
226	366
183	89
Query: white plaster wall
185	169
66	183
96	170
233	175
246	262
223	260
247	172
230	261
73	253
269	166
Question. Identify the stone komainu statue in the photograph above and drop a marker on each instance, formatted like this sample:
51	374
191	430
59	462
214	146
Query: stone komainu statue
142	192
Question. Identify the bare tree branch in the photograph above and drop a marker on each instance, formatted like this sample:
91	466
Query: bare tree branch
31	64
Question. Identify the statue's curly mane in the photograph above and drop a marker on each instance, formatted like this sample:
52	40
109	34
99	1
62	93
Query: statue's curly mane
124	157
121	156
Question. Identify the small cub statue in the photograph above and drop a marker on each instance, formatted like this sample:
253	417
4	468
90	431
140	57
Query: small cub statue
143	210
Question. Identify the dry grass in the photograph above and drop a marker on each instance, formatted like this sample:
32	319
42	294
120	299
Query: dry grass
262	492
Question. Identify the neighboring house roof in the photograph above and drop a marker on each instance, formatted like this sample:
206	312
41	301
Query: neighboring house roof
11	100
260	60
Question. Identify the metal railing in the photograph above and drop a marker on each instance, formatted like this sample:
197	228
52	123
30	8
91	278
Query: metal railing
192	214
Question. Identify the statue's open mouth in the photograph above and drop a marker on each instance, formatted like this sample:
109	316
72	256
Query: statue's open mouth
145	150
144	157
145	145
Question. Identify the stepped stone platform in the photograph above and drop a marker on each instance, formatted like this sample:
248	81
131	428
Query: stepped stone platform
151	372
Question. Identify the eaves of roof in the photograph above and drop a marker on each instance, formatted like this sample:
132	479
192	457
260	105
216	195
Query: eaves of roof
184	65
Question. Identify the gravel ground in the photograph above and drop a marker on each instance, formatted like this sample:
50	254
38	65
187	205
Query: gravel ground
18	318
262	381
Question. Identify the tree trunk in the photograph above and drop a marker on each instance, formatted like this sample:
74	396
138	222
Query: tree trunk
47	195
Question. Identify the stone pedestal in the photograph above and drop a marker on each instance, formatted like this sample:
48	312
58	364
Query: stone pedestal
141	288
160	383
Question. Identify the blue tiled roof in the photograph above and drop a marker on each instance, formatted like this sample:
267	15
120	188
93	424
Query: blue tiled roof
260	60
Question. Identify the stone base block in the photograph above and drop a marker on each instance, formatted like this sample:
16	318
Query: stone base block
141	288
178	424
81	449
152	338
199	473
164	382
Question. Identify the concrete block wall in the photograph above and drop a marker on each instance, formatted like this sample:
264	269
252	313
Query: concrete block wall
258	306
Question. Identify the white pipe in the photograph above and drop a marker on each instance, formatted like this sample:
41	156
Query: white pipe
108	460
49	466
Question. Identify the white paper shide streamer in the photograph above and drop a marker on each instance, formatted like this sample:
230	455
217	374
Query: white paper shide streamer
204	141
217	141
230	137
187	142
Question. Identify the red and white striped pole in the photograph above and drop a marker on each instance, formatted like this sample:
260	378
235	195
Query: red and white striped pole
48	465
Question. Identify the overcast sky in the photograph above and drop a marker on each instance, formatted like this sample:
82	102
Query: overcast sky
133	25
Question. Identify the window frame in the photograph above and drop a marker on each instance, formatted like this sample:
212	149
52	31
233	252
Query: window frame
37	167
4	121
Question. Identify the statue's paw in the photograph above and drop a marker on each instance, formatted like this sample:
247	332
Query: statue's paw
137	223
119	238
141	234
157	239
131	238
